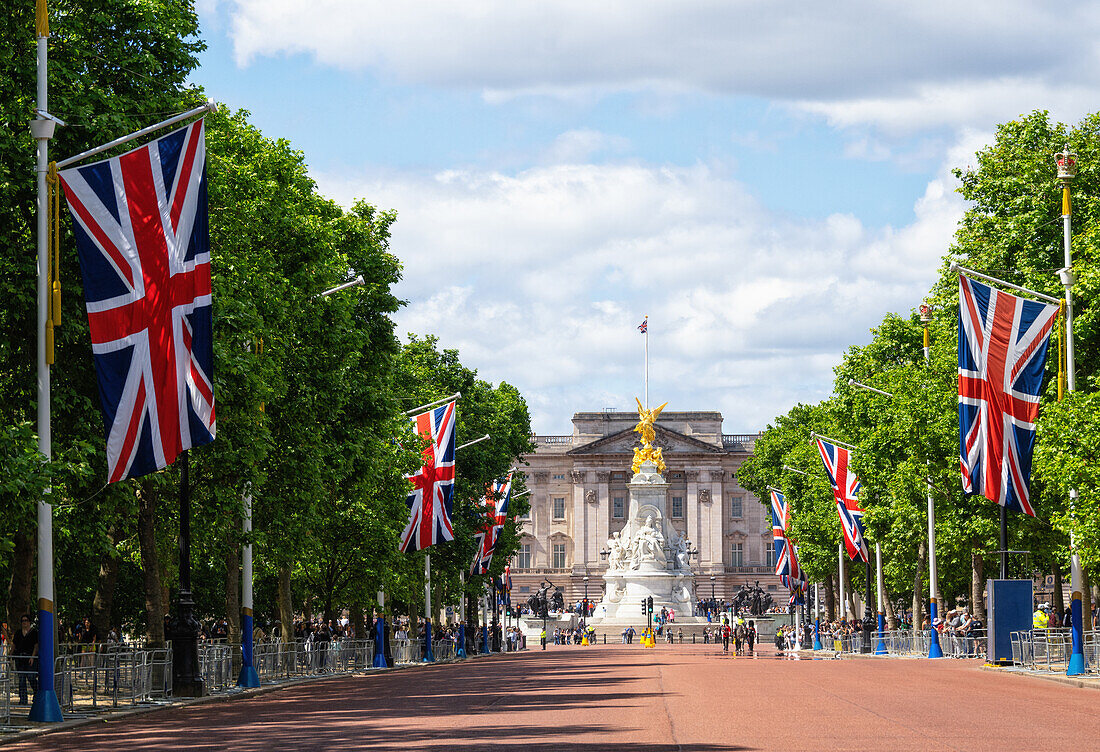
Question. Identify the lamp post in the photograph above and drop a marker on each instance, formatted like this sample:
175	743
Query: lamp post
1067	171
584	616
713	600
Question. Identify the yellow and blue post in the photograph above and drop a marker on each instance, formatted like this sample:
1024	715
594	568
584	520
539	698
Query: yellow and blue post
1067	170
880	648
934	649
45	708
248	677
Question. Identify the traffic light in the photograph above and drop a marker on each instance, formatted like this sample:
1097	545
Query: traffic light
645	607
649	603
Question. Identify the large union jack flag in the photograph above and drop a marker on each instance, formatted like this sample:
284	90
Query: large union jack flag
433	485
846	488
144	246
497	498
1003	343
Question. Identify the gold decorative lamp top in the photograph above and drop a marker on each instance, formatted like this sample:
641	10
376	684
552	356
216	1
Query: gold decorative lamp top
647	452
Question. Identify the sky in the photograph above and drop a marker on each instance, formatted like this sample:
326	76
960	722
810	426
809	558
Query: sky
765	180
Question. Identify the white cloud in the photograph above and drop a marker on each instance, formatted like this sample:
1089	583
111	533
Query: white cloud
540	278
898	65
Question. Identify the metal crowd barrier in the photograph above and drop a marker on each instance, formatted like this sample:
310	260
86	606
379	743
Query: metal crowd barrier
406	651
6	667
216	666
111	674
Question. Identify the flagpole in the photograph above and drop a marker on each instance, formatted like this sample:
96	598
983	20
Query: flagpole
45	707
429	656
647	362
880	649
248	677
1067	170
934	649
843	611
210	106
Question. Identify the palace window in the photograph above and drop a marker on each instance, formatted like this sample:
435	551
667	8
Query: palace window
523	556
773	587
677	506
737	555
618	476
559	556
678	476
559	507
769	555
736	507
559	476
617	510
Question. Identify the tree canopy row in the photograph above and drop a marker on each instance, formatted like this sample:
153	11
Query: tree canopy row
311	392
1012	230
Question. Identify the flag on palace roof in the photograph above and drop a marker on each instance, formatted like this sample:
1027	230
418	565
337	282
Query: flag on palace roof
846	488
142	237
433	485
1003	342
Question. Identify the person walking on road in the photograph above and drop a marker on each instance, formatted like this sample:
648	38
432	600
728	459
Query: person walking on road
725	637
542	638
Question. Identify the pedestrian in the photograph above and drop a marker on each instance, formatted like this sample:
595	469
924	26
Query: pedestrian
25	652
750	636
780	641
725	637
542	638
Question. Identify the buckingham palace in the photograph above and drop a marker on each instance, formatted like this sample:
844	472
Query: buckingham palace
578	497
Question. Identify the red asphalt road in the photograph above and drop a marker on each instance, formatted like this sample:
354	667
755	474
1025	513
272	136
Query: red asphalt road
689	698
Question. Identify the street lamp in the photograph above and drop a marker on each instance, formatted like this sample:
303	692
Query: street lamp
584	617
713	600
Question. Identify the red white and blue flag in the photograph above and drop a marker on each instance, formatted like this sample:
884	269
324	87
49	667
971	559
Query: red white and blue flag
846	488
786	563
1003	342
497	498
644	326
143	241
433	485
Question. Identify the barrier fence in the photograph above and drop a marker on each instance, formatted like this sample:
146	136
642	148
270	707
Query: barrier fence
907	643
91	678
1049	649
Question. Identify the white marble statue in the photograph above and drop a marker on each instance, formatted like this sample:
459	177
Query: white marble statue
679	545
615	552
647	545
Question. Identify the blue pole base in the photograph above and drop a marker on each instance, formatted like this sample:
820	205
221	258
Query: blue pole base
248	679
880	649
934	649
1076	664
45	708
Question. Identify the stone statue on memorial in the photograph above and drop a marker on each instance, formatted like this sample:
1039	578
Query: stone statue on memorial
647	545
615	552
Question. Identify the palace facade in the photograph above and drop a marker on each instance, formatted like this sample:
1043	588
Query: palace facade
579	497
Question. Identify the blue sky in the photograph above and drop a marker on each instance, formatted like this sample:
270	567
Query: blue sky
765	180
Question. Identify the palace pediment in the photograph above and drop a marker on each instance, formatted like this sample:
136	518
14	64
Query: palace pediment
670	442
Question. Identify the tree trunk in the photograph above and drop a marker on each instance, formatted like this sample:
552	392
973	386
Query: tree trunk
918	586
891	617
233	590
20	598
150	564
977	587
830	598
103	602
307	609
1058	600
286	607
358	622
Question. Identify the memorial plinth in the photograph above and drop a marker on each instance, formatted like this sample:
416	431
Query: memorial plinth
648	558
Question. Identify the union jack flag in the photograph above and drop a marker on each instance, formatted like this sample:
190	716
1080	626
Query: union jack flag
846	488
433	485
644	326
1003	343
786	563
497	498
143	241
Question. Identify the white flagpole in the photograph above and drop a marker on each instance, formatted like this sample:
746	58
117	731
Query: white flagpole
45	707
843	610
647	362
210	106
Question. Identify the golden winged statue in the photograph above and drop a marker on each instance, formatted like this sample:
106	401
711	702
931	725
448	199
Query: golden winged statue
646	419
